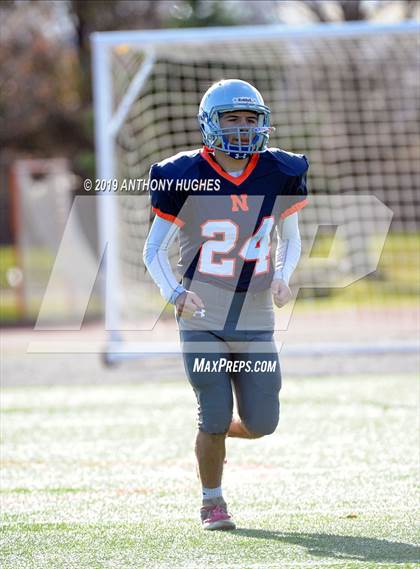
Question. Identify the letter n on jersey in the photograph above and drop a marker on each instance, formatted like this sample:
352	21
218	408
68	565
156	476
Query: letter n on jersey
239	202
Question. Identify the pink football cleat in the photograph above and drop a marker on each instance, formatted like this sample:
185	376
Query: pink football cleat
214	516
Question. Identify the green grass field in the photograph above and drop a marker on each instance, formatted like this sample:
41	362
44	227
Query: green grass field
104	477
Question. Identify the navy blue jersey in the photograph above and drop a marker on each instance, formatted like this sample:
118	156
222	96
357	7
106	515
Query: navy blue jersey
227	222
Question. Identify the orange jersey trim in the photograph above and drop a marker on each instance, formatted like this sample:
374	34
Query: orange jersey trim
168	217
294	208
205	153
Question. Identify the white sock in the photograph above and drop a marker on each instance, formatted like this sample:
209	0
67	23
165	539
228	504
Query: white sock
209	493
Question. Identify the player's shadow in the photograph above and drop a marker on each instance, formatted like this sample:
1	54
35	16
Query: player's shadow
342	546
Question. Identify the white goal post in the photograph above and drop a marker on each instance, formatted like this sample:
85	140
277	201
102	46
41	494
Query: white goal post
346	95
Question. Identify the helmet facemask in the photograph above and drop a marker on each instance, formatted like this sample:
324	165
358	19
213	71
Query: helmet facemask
248	139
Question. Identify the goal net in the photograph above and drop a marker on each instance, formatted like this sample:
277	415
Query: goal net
346	96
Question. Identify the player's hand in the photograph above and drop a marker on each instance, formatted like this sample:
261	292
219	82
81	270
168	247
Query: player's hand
187	303
281	292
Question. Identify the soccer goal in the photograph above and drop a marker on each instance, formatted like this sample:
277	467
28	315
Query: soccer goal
345	95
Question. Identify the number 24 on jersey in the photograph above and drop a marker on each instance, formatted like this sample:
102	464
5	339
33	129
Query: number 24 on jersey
256	248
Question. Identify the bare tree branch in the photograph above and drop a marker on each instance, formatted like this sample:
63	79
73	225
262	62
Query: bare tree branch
317	8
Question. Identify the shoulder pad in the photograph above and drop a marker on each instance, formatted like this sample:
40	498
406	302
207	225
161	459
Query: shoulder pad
177	164
292	164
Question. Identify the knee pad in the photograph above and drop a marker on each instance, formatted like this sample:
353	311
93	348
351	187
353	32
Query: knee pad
262	426
214	426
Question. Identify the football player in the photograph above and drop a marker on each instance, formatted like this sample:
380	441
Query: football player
224	302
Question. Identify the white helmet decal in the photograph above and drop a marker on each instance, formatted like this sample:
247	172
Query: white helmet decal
250	100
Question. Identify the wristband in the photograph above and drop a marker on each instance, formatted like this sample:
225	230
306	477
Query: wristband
177	292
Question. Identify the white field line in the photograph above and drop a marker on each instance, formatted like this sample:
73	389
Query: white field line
135	350
318	563
344	512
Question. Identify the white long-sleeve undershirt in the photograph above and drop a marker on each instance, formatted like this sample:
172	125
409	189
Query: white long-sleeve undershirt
163	233
288	247
155	256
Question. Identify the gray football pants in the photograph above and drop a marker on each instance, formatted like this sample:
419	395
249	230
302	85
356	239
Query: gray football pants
231	350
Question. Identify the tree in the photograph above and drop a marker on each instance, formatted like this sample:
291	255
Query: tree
45	94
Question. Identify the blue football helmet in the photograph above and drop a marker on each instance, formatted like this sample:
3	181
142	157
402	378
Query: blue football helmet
234	95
